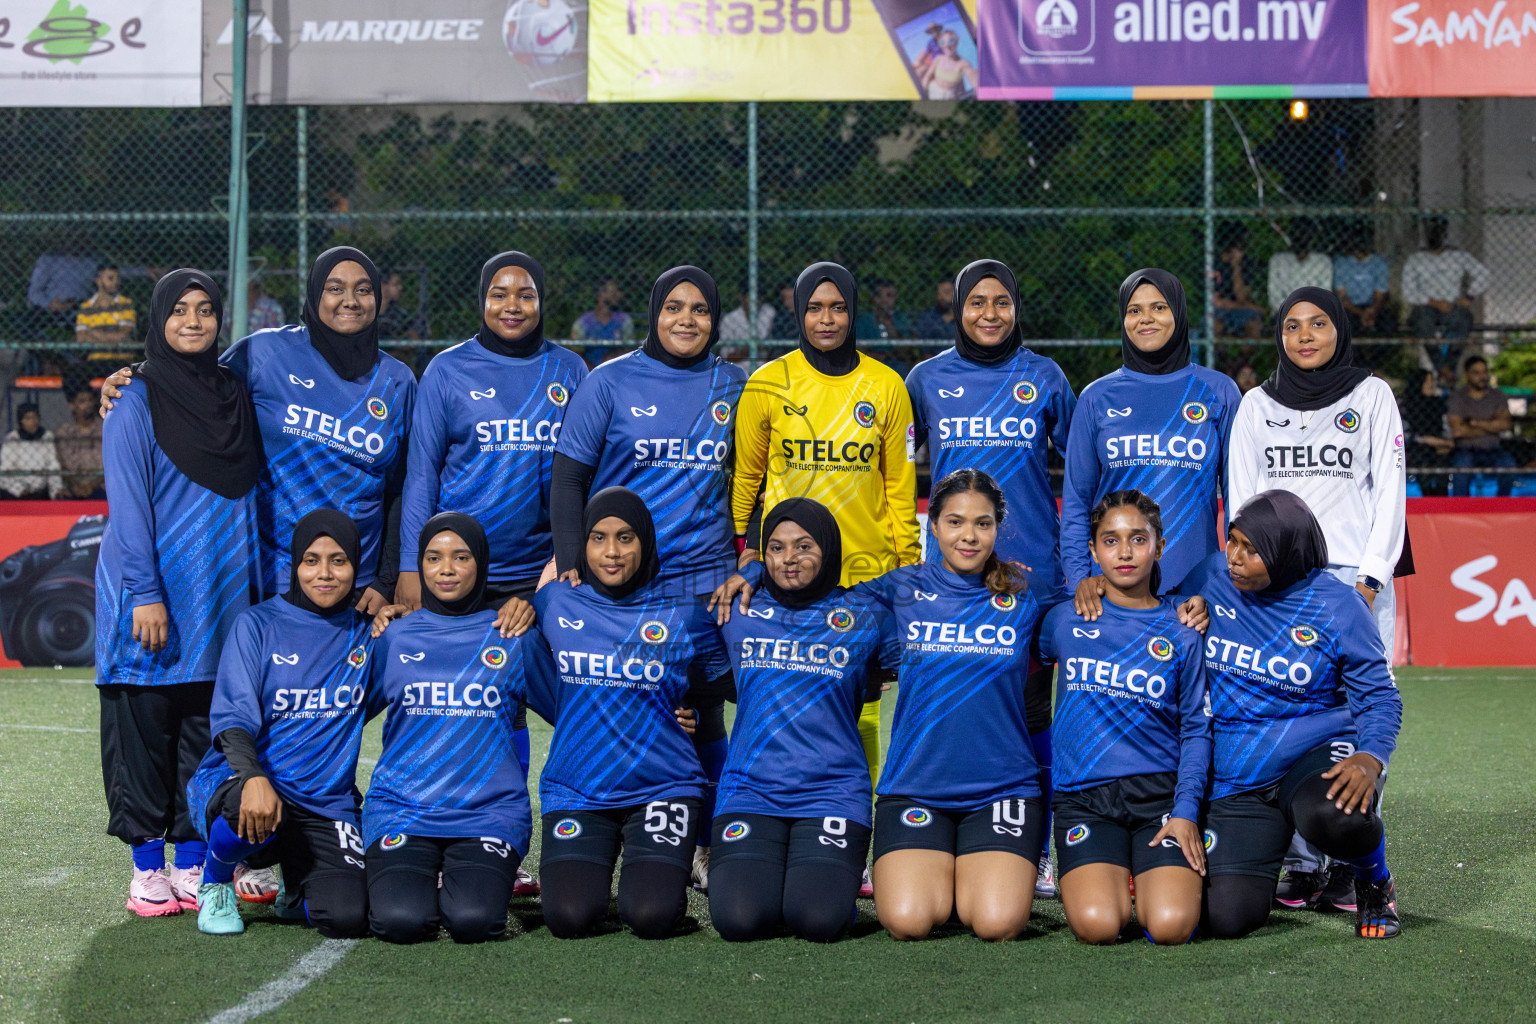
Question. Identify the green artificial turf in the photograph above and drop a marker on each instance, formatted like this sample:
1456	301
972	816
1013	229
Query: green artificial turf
1461	811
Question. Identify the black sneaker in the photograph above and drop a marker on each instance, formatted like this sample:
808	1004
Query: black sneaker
1299	889
1339	893
1376	916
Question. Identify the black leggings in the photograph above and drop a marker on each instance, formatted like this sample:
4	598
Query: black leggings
785	870
152	740
406	905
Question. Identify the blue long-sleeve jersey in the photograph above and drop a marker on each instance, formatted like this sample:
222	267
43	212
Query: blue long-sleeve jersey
960	738
1163	435
1130	700
1289	671
622	669
482	442
330	443
168	541
801	676
998	419
297	683
451	686
665	433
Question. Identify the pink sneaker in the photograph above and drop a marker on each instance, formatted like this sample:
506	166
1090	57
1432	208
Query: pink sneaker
526	884
866	887
185	883
150	894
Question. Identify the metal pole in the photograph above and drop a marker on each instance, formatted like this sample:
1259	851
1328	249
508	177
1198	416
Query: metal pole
239	191
1210	233
752	338
301	128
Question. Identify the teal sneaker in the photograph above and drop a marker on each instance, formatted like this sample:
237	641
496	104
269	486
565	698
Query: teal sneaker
282	909
220	909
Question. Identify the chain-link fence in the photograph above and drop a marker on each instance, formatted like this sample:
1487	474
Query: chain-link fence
1239	198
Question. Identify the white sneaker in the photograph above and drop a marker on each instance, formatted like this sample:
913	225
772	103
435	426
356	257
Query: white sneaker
1045	881
701	868
150	894
185	883
256	885
867	885
525	885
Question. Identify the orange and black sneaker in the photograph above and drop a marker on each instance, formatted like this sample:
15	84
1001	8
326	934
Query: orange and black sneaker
1376	909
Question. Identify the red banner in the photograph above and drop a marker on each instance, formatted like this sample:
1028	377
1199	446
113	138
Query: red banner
47	581
1451	47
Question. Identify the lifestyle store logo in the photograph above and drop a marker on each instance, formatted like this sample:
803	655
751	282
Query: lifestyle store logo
69	33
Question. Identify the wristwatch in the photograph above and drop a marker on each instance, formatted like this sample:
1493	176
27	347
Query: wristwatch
1371	583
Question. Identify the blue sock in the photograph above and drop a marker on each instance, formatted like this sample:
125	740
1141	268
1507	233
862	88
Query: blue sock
191	855
524	750
712	758
149	855
225	850
1373	866
1041	741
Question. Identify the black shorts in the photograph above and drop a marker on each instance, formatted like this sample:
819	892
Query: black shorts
1009	826
789	841
662	830
1248	833
1113	823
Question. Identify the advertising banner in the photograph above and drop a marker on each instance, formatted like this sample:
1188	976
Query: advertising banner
99	53
782	50
1452	48
47	581
1165	49
1470	602
401	51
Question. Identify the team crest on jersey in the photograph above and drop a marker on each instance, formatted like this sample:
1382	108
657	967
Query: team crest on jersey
1347	421
1004	602
654	632
864	414
721	411
566	828
1195	412
558	393
359	656
377	409
493	657
1076	834
1305	636
916	817
393	842
736	830
1161	648
840	619
1210	840
1025	392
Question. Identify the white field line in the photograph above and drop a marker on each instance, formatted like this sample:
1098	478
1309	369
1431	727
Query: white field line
275	993
47	679
44	728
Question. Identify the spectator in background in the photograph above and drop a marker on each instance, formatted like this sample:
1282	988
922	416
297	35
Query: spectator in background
29	468
107	319
786	325
604	322
1299	266
1246	377
262	311
1360	281
884	321
78	446
1439	284
395	319
1424	424
939	322
61	280
734	325
1478	414
1238	315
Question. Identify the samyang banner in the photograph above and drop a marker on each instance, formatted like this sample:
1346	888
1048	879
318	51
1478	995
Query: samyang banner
782	50
99	53
401	51
1452	48
1164	49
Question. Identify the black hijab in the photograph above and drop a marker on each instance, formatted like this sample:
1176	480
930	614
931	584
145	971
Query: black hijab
350	355
965	283
202	415
322	522
529	343
1174	355
625	504
659	292
1285	533
469	531
1300	389
841	360
812	517
23	432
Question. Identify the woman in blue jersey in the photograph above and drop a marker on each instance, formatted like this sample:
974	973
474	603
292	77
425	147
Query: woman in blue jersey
176	569
992	404
1306	716
1159	424
792	823
333	412
288	711
1133	741
959	816
621	772
659	421
448	798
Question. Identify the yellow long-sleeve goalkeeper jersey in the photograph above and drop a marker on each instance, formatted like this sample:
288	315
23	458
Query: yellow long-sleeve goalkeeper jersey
844	441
